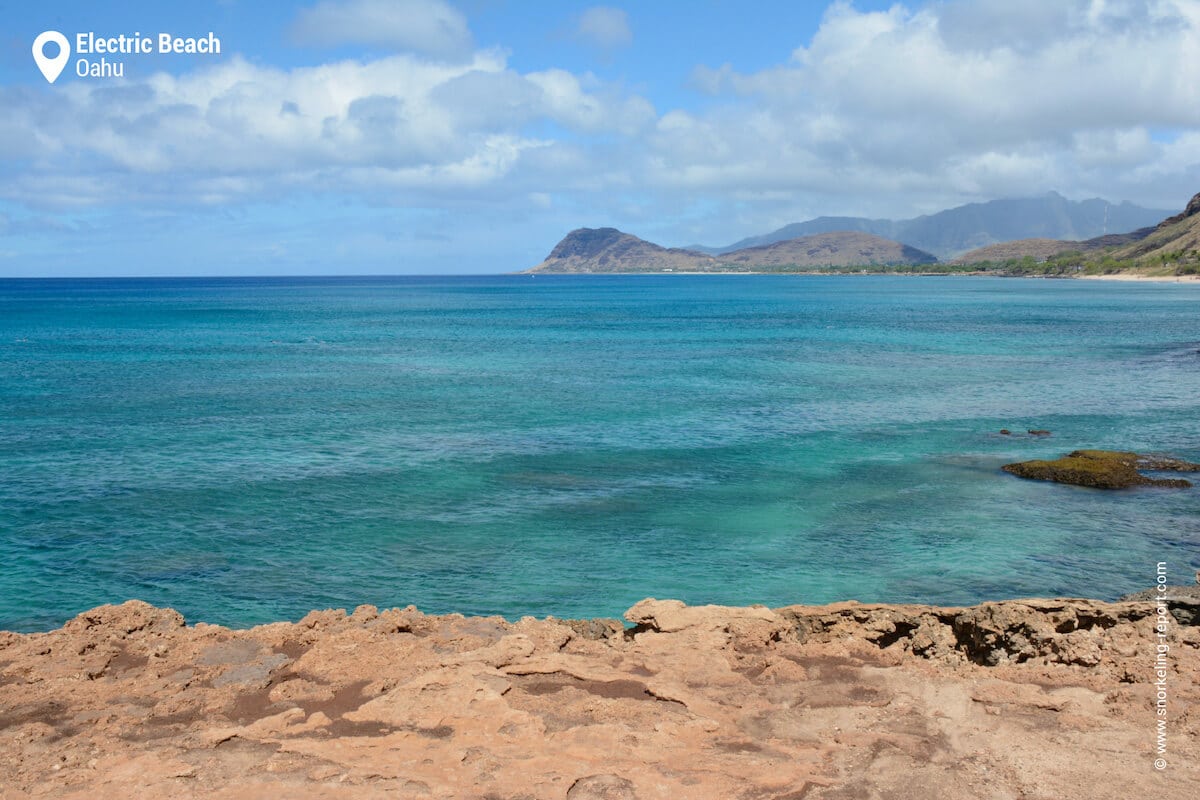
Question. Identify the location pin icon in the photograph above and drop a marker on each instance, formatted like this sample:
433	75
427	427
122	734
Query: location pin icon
51	67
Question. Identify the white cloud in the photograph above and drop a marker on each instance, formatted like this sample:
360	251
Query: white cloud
430	27
952	101
566	98
398	129
887	113
605	27
900	64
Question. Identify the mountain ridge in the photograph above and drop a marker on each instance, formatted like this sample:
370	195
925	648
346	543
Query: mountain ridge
954	231
608	250
1172	247
1048	248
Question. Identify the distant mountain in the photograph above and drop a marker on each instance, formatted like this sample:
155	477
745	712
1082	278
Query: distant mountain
608	250
957	230
878	227
837	249
1171	247
1042	249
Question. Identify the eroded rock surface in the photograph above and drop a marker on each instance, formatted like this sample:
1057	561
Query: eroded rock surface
1016	699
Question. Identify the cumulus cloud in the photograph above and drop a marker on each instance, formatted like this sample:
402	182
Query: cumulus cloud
431	27
401	127
605	27
888	113
955	100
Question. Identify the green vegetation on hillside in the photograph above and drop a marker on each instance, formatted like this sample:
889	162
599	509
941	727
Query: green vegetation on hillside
855	269
1074	263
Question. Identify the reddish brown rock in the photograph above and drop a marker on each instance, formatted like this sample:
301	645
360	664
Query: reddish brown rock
602	787
1013	699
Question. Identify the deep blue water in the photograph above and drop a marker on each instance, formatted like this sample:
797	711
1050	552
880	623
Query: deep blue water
245	450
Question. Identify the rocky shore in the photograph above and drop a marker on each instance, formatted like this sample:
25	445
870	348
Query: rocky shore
1015	699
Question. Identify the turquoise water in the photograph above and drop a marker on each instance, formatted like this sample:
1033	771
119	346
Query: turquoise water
245	450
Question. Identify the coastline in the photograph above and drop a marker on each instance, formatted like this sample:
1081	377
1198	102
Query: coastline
1119	276
1129	276
1001	699
808	273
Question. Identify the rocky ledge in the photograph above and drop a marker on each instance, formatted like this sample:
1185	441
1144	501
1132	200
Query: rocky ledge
1105	469
1014	699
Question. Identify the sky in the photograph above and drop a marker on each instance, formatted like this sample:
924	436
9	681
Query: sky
346	137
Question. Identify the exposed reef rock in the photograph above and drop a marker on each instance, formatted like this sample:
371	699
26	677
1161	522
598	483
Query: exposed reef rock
1011	699
1104	469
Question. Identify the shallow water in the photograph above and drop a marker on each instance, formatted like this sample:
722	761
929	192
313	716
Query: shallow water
245	450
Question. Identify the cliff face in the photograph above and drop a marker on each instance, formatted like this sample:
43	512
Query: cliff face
1002	700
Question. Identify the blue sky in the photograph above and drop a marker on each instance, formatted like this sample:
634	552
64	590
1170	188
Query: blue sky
424	136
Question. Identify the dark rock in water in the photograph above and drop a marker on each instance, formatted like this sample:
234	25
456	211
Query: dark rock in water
1182	601
1104	469
1005	432
1038	432
1164	463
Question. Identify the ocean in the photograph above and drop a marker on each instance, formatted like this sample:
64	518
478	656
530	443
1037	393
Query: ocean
245	450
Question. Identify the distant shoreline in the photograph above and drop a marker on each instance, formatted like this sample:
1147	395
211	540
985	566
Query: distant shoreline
1128	276
812	273
1119	276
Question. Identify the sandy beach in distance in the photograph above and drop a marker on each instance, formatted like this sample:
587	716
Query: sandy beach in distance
1144	278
